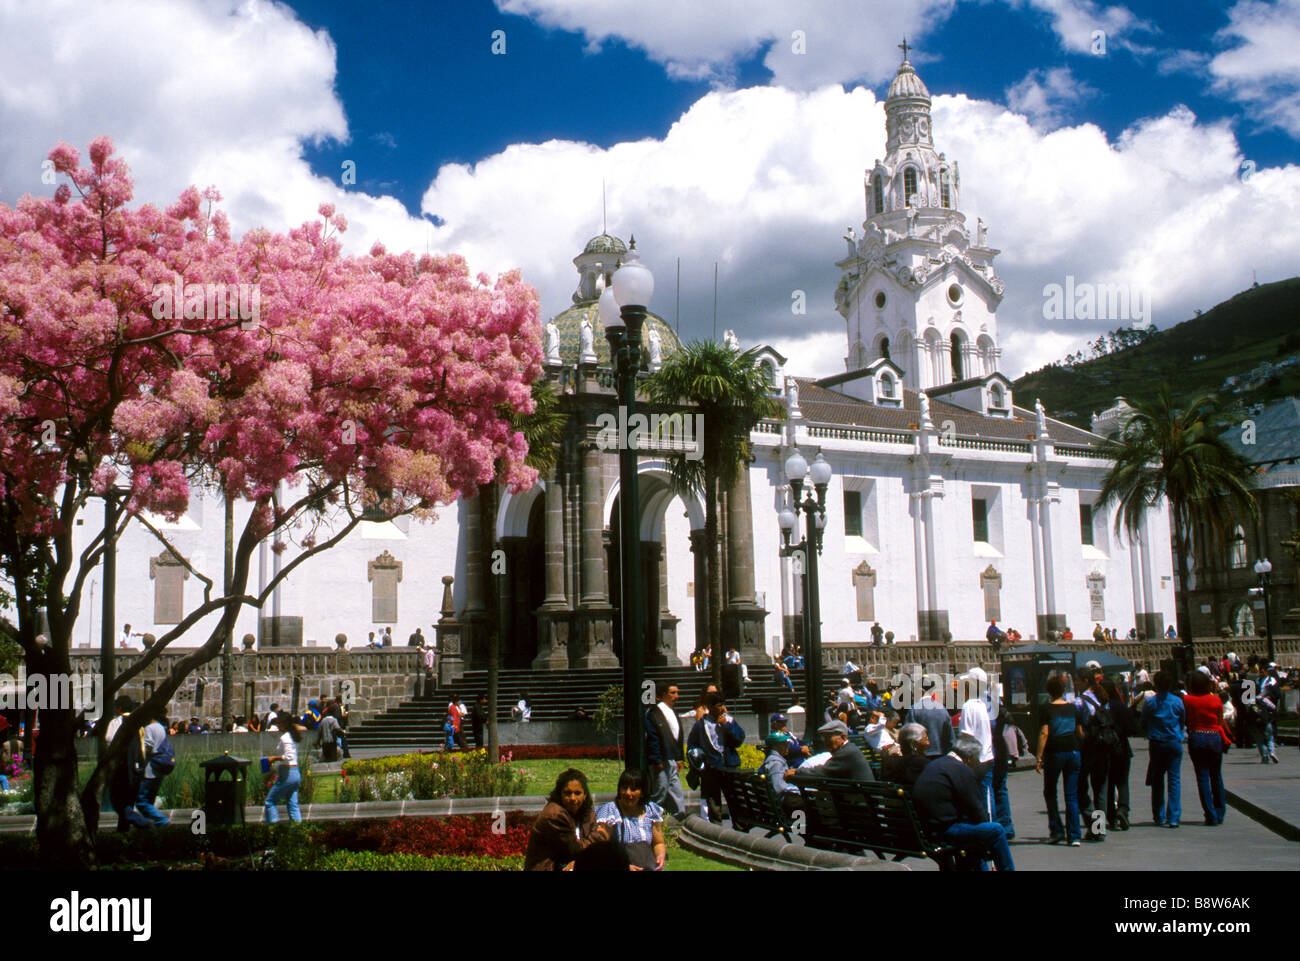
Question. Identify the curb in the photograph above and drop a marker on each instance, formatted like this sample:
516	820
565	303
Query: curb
1277	825
768	854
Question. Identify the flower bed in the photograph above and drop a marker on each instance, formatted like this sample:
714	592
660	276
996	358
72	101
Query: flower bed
461	843
548	752
409	777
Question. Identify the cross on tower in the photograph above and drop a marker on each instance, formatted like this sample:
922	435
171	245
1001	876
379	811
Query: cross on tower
904	47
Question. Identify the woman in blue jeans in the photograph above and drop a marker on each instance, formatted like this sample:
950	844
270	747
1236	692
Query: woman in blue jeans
1163	719
1059	737
287	777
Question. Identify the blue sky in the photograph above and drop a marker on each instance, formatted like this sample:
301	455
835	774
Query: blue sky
729	132
398	62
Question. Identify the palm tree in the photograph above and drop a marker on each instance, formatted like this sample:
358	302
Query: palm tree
542	429
1180	456
733	394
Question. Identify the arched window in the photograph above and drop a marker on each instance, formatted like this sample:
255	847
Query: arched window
957	367
886	385
945	189
769	373
1243	621
884	347
1237	550
877	194
997	396
909	185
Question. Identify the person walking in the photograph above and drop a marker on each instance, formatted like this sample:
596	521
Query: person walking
1059	737
1101	742
288	779
1206	742
663	733
1121	758
159	759
1163	719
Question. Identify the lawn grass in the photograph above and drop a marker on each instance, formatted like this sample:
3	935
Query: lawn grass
602	776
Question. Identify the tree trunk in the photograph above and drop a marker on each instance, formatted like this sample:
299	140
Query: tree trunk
1184	615
61	831
488	500
715	575
228	646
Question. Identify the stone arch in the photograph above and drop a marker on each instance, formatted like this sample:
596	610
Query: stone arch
986	352
515	511
959	345
653	476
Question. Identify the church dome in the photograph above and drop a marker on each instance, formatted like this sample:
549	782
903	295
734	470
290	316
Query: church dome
605	244
570	324
907	84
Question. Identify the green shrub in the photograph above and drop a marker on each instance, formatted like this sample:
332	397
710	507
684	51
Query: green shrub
373	861
409	777
751	755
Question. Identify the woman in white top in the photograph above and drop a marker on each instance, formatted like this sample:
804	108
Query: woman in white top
287	777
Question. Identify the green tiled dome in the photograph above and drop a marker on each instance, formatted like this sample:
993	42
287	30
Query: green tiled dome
570	324
605	244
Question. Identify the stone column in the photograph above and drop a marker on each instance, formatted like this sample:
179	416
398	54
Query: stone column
554	616
743	620
595	615
701	590
474	618
1052	619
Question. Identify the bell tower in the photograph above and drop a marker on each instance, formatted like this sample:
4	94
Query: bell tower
918	287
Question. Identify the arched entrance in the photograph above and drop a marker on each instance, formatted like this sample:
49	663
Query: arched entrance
517	574
671	571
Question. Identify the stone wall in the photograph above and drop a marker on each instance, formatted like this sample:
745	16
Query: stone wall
963	655
382	679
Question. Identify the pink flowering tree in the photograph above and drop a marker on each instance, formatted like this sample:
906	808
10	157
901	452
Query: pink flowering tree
149	349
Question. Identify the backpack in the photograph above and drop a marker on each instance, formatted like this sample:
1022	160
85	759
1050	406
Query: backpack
163	758
1102	729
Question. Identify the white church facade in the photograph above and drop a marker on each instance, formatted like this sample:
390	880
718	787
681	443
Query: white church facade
950	504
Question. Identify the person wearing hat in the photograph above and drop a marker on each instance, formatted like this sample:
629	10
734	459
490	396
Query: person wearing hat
778	722
777	765
846	761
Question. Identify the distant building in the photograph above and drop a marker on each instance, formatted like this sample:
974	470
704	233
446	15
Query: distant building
1223	566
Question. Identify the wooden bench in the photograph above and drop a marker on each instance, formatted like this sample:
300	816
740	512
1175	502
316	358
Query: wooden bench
752	802
858	816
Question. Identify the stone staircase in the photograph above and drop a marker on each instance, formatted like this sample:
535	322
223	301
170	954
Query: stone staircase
553	696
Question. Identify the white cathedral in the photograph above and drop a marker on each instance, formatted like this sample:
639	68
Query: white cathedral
948	506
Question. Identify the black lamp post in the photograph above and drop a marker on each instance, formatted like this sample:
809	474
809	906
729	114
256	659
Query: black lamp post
623	313
1264	570
796	469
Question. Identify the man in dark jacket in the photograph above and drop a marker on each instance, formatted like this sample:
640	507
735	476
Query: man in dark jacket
947	796
663	748
929	712
716	736
847	760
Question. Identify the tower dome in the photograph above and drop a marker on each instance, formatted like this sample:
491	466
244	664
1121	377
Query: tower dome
907	84
605	244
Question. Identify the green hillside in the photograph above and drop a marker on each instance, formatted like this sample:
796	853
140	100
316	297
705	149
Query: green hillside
1257	326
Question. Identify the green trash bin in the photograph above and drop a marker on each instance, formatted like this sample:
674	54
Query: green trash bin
225	788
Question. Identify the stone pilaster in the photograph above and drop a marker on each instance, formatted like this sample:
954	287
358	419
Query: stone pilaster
474	617
699	553
742	619
595	616
554	618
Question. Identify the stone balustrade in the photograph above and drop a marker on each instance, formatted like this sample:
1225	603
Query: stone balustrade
382	678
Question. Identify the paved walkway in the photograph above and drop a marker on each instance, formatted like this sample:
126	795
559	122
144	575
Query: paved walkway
1270	793
1240	843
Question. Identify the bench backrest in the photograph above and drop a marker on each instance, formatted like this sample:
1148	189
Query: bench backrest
877	815
753	802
